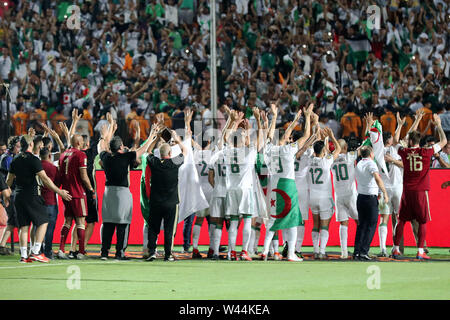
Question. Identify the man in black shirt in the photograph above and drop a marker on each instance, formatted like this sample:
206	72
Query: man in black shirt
28	203
117	205
164	196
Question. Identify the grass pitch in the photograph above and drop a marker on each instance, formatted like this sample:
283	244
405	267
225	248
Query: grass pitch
216	280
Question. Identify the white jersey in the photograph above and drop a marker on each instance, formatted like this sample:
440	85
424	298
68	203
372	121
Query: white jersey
301	166
202	159
281	160
343	169
319	177
239	162
394	178
217	164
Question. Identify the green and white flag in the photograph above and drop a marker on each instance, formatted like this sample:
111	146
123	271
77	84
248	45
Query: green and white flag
359	49
374	138
284	206
145	188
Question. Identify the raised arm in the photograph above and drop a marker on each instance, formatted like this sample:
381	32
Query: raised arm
398	130
259	135
290	128
442	138
308	143
150	143
274	110
178	141
337	146
310	117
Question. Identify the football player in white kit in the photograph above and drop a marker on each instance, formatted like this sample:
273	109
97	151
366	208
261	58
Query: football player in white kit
216	178
343	170
281	159
202	158
301	170
240	157
320	191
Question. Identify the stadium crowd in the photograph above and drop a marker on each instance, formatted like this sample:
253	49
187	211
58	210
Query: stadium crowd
140	61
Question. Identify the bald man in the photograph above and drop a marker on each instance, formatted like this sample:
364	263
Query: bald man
74	178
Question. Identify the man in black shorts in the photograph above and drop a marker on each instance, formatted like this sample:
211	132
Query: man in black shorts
29	204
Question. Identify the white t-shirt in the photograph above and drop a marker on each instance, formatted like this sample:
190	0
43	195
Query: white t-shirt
364	177
201	160
343	169
394	178
239	164
217	163
281	160
319	176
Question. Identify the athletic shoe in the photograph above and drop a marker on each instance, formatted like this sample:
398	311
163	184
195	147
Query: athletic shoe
316	256
170	258
61	255
223	249
299	254
39	257
145	256
383	254
185	250
196	254
81	256
25	260
323	256
284	253
244	256
344	256
263	257
104	258
426	250
210	253
73	254
294	258
151	258
5	251
364	257
355	256
234	256
215	257
395	254
422	256
277	256
122	258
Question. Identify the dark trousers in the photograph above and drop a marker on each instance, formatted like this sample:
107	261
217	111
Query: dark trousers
187	231
158	213
367	222
123	230
48	240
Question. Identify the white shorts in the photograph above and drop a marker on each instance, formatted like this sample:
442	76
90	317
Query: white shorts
240	202
346	207
202	213
395	195
322	206
303	201
217	207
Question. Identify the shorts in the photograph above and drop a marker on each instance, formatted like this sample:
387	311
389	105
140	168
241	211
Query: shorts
11	212
346	207
240	202
415	205
395	195
30	209
92	209
217	207
76	208
322	206
303	201
202	213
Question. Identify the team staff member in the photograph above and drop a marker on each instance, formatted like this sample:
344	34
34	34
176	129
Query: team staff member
164	195
117	205
368	181
29	204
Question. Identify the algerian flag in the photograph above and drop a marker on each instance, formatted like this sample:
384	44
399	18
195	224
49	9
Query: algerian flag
284	206
374	138
145	188
359	49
